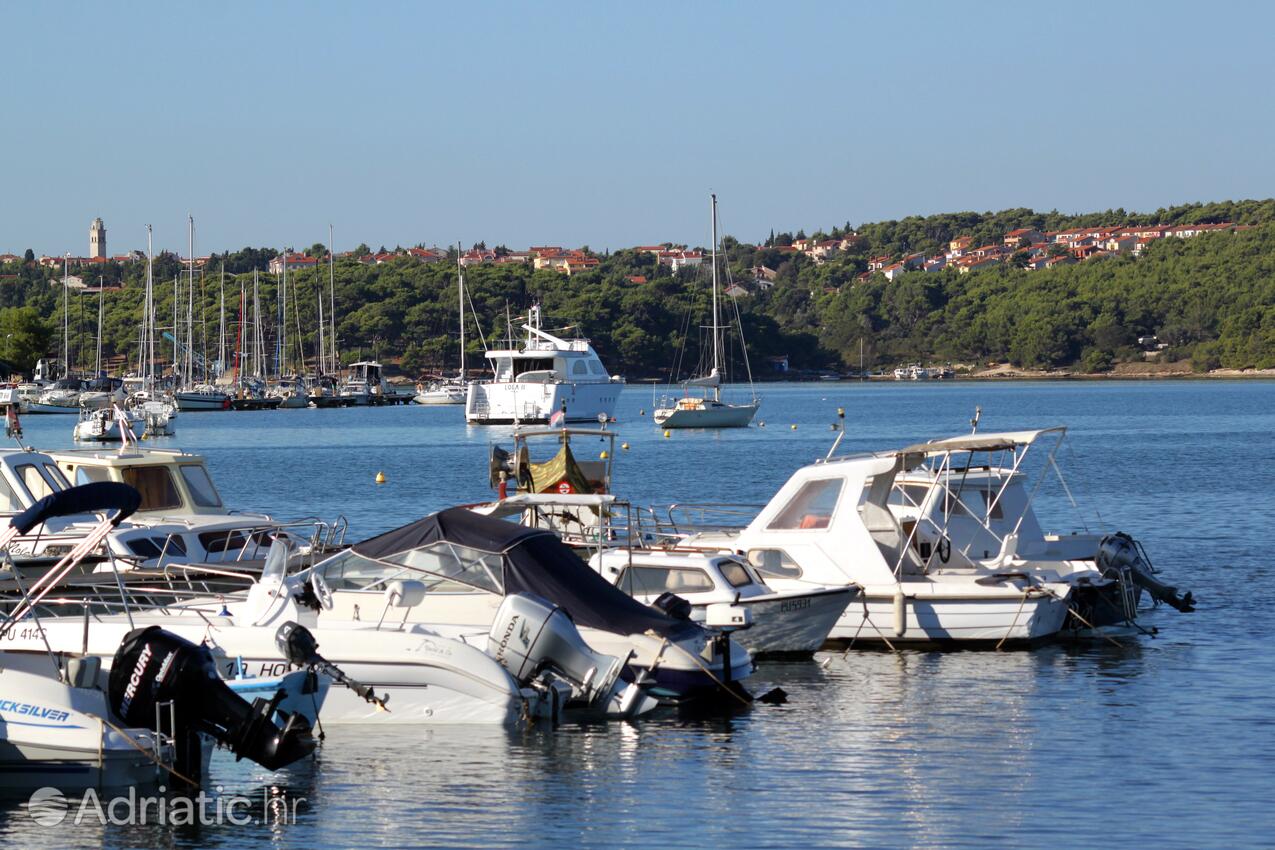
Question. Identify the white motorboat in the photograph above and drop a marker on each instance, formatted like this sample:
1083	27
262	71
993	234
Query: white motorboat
780	623
968	506
62	396
831	524
702	411
365	384
107	425
63	725
470	564
915	372
548	375
201	397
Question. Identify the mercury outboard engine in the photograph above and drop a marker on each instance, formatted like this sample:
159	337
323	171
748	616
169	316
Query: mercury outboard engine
531	635
153	667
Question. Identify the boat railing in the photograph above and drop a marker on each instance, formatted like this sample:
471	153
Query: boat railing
689	517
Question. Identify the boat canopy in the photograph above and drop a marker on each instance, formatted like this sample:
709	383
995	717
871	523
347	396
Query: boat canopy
981	442
501	557
85	499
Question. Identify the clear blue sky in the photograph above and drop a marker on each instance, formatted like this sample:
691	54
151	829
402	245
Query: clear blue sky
607	124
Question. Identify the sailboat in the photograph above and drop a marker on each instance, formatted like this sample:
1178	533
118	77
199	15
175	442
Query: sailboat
451	390
703	411
192	395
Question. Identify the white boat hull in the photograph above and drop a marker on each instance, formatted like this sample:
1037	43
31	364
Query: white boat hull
428	678
94	431
53	735
940	618
453	396
45	407
793	623
533	402
710	415
202	401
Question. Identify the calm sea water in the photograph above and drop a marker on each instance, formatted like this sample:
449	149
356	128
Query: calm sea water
1166	742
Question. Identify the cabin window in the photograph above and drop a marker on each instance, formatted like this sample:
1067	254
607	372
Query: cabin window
652	581
89	474
580	368
154	547
908	495
504	368
201	487
735	573
55	475
156	486
538	364
349	571
596	367
811	507
774	562
36	483
9	500
235	540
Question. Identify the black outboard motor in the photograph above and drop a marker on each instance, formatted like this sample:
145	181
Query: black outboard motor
1119	555
673	605
153	666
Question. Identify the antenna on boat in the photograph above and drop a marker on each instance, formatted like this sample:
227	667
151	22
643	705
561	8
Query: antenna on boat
840	427
978	413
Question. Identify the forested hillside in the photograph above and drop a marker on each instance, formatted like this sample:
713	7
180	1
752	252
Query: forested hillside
1210	298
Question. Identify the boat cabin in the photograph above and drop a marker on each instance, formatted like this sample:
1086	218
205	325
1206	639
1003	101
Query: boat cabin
697	577
548	366
171	482
25	478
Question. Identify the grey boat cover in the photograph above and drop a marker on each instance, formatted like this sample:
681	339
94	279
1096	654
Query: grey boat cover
535	561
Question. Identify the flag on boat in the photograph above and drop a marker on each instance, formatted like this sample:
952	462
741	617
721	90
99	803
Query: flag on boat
558	418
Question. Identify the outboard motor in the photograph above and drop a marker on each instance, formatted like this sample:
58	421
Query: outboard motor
1121	557
153	667
531	635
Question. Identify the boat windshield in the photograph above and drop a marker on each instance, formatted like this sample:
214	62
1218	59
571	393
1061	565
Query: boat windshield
443	566
811	507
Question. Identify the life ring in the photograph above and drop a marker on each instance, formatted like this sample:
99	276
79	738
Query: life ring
565	488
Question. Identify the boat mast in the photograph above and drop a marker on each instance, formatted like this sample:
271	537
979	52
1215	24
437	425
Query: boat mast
283	319
190	302
460	293
221	324
97	371
335	364
66	318
717	387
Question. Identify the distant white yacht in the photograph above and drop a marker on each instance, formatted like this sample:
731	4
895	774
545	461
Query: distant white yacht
548	374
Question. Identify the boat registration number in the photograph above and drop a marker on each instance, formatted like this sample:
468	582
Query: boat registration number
794	604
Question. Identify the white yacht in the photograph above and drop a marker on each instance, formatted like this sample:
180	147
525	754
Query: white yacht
705	411
450	390
547	375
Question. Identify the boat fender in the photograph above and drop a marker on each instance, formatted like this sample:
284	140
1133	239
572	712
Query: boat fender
900	613
945	549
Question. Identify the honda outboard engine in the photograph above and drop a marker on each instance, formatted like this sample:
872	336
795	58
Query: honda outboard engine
1122	557
531	635
153	668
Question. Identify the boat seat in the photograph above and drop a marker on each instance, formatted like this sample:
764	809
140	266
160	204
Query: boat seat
814	521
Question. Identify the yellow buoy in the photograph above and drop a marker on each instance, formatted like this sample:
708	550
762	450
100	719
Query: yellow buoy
624	446
666	435
380	478
794	427
841	411
604	455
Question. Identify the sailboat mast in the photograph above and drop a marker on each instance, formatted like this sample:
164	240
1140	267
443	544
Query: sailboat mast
221	324
283	318
97	371
460	293
66	318
335	364
717	388
190	302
